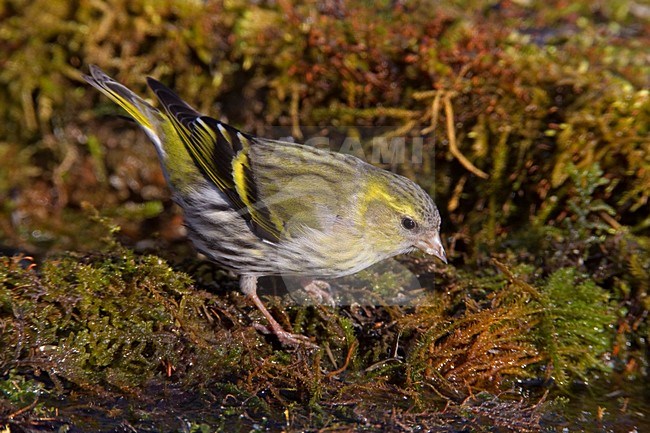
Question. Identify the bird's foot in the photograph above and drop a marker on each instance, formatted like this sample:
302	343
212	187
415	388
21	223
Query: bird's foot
287	339
249	287
320	292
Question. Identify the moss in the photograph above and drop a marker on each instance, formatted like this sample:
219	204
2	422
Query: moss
118	324
577	327
506	328
117	321
20	395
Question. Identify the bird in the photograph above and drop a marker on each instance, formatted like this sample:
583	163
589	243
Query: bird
263	207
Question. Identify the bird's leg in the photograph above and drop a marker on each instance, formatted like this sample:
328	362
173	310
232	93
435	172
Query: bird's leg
319	291
248	286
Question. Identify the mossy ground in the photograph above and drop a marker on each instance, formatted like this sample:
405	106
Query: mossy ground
534	122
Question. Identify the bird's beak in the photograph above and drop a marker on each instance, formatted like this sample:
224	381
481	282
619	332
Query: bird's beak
431	244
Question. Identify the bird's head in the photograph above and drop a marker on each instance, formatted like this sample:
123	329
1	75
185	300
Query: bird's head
401	216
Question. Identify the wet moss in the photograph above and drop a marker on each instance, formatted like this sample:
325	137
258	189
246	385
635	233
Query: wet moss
116	321
20	395
494	329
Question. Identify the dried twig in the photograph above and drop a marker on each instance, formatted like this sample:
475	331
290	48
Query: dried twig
453	147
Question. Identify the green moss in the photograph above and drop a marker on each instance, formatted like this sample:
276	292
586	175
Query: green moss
577	325
18	392
506	328
117	320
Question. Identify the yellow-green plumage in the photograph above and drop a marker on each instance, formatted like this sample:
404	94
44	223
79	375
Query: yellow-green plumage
264	207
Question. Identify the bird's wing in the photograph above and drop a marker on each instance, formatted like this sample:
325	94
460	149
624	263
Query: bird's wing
221	152
282	189
305	188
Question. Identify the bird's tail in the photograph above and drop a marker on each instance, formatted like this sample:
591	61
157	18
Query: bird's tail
149	117
178	167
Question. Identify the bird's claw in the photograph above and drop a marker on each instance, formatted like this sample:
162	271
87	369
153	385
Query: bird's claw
287	339
319	292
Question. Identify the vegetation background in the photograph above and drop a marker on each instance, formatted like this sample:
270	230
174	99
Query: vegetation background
534	117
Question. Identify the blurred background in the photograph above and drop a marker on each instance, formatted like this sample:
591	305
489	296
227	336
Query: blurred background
533	119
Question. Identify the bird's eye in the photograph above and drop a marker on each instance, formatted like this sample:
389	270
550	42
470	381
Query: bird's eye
408	223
